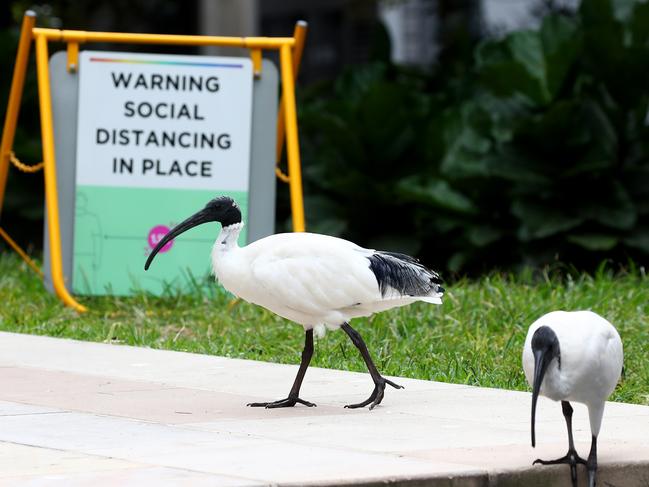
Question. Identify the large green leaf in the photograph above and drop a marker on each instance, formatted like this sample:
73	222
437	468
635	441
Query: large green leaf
514	65
551	141
457	261
336	133
435	192
639	240
604	136
640	25
385	123
354	83
466	145
537	222
514	166
482	235
636	182
611	207
561	41
594	241
532	63
609	53
526	49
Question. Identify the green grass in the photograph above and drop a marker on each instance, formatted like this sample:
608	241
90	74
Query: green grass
475	337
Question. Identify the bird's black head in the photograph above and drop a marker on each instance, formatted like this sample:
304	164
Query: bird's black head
545	347
222	209
545	341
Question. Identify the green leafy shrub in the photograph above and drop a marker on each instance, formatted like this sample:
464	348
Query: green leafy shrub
540	151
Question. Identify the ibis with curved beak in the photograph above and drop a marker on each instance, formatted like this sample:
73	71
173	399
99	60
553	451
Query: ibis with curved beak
315	280
573	356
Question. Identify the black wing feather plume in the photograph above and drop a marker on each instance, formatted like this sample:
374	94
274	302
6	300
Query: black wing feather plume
404	274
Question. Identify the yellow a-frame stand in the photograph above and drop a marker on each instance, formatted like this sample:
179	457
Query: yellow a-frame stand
290	53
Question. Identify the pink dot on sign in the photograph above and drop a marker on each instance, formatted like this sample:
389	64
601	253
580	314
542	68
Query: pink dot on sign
156	234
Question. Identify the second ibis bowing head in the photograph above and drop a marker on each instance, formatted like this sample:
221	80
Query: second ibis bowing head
545	347
315	280
573	356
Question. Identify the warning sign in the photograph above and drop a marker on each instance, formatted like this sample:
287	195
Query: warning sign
158	136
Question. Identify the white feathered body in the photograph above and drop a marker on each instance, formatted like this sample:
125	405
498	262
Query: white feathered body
591	360
314	280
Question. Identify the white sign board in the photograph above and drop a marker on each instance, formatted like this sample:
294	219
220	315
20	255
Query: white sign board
158	136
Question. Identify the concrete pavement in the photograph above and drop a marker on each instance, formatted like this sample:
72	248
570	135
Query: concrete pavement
76	413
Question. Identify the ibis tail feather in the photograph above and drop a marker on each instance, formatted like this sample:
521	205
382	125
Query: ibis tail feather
404	275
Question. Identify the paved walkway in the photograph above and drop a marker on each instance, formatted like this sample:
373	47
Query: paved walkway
75	413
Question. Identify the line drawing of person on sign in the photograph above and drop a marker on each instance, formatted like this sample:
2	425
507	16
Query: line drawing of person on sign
88	246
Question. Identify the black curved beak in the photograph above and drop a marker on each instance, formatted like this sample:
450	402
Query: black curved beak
196	219
540	365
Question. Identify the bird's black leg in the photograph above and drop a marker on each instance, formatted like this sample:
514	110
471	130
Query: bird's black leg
591	463
293	398
571	458
379	380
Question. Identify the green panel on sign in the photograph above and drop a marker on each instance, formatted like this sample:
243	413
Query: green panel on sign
116	228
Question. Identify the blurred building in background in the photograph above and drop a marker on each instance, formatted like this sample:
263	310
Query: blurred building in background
341	32
413	26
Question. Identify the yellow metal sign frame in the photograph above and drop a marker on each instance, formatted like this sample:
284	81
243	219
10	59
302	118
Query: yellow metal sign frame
290	53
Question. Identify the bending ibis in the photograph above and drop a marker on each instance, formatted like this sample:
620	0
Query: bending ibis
573	356
315	280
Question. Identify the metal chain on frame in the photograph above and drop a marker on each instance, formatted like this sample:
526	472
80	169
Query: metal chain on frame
5	236
281	176
24	167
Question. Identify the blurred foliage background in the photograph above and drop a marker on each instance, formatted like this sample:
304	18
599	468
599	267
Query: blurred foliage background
520	150
532	149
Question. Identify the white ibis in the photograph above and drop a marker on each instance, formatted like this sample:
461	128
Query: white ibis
315	280
573	356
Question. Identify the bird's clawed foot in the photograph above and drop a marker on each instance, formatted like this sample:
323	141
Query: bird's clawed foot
289	402
571	458
377	394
